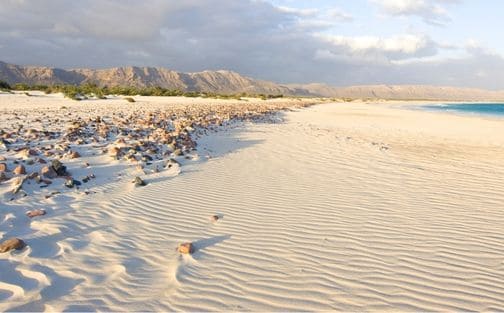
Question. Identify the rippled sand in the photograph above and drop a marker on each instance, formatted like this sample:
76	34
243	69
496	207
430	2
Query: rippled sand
341	207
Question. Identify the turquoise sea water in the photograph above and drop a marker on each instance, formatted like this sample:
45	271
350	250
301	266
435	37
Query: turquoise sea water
493	109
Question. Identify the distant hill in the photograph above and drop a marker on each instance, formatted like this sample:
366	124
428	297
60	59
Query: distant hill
404	92
228	82
211	81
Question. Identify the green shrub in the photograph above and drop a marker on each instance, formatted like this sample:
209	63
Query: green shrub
21	86
4	85
191	94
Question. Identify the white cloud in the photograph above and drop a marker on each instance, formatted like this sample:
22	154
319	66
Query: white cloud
431	11
316	19
252	37
299	12
391	48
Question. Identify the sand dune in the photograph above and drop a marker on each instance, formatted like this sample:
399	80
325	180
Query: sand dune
340	207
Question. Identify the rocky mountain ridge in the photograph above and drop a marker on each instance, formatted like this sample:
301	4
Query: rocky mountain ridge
228	82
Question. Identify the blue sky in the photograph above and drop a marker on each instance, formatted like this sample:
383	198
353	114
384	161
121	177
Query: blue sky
358	42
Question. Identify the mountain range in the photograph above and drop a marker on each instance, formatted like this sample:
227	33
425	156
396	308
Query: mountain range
228	82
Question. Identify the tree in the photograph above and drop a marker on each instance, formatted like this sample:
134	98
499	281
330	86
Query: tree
4	85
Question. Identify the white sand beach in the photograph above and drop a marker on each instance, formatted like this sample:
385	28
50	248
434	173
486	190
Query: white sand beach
335	207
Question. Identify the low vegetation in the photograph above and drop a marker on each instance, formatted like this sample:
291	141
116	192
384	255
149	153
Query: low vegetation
4	86
93	91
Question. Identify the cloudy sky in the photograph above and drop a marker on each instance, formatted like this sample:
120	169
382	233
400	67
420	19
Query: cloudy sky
339	42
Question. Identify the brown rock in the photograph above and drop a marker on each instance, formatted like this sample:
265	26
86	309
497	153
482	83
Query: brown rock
3	167
20	170
3	177
114	151
33	175
215	218
17	184
12	244
34	213
48	172
2	158
186	248
74	155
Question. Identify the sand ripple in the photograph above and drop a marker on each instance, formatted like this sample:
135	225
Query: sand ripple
315	217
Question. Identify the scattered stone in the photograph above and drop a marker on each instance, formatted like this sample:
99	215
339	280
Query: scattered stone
18	184
33	175
48	172
70	183
19	170
3	177
139	182
114	151
3	167
12	244
59	168
186	248
52	194
34	213
178	152
215	218
74	155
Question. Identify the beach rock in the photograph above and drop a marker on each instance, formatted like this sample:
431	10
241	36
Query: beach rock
52	194
59	168
34	213
12	244
215	218
33	175
26	153
178	152
114	151
74	155
139	182
70	183
3	167
48	172
186	248
3	177
20	170
17	184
